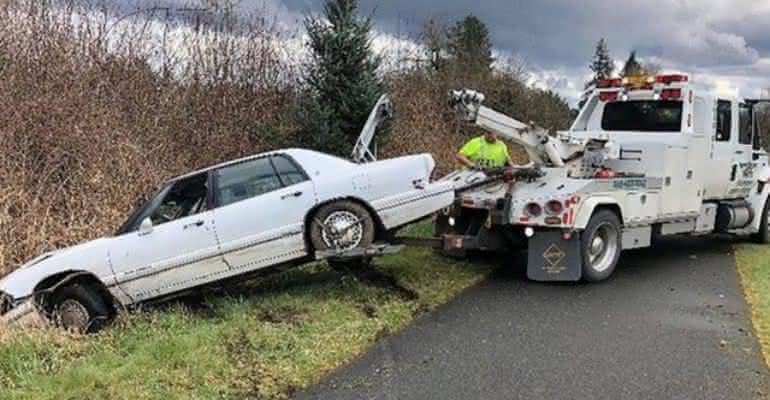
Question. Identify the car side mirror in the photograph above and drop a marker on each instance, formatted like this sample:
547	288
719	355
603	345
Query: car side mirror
145	228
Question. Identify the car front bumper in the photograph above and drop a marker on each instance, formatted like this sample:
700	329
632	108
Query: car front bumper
24	314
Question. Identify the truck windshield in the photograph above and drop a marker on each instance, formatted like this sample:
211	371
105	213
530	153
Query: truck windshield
643	115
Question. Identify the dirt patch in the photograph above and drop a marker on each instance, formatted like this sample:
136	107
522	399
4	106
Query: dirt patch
254	378
282	315
369	310
200	307
422	309
369	275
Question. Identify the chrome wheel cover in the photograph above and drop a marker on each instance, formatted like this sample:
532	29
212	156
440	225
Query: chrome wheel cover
603	246
342	230
72	315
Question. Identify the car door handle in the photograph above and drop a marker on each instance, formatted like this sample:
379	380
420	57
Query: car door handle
196	224
287	196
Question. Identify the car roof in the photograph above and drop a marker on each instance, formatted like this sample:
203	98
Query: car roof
290	152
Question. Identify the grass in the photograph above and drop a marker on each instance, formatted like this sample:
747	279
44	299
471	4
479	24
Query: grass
275	335
754	267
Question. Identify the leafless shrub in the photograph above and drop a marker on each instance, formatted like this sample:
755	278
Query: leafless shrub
92	121
99	108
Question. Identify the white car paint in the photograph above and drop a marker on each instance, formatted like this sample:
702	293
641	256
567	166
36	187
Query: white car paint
241	237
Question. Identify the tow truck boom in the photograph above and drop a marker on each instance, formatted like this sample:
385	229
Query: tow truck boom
542	148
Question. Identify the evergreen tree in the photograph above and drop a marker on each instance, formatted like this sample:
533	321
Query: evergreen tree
470	45
602	64
632	66
342	78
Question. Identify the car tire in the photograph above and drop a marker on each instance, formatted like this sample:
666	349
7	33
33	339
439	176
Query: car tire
600	246
341	213
763	236
79	309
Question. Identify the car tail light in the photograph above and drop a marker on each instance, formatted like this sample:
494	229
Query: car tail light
671	94
534	210
554	207
610	83
608	96
668	79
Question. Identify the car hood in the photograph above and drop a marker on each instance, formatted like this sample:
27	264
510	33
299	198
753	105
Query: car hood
88	256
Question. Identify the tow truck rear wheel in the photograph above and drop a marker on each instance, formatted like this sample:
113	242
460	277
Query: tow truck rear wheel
763	236
600	246
342	225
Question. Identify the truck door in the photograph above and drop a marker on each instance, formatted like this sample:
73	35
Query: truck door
724	152
744	155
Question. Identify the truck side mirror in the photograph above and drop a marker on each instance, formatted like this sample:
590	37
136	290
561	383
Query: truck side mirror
145	228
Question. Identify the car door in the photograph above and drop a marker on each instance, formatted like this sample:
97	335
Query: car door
261	208
178	251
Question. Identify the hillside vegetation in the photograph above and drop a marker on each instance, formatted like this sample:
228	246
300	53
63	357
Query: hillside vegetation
98	112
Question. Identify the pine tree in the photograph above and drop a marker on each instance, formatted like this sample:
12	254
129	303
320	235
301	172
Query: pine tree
602	64
342	78
470	45
632	66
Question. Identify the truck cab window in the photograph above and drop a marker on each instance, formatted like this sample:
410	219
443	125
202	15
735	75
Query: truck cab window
724	120
745	124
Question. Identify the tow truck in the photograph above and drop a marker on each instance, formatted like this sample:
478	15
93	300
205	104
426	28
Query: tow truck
646	157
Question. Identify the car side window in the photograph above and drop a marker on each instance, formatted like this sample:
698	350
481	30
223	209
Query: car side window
288	171
724	120
245	180
183	198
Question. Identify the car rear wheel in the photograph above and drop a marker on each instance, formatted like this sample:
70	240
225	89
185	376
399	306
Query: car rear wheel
79	309
601	246
342	226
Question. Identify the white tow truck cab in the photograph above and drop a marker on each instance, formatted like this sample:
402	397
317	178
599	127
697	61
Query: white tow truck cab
646	157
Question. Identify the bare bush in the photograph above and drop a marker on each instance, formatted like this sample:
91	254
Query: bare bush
92	123
100	109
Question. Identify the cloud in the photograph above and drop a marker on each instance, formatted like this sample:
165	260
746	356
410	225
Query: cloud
708	38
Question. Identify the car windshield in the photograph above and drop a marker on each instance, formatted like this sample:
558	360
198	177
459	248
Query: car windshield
643	116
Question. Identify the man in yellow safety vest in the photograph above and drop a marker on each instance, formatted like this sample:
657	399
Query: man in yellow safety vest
485	152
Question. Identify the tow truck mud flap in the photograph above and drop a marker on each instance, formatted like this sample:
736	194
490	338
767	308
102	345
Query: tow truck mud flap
553	259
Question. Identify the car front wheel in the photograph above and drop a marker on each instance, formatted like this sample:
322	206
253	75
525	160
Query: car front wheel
79	309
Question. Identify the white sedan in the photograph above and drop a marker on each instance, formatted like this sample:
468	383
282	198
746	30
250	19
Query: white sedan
222	222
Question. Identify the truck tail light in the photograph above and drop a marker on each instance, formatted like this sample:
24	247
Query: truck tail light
668	79
605	173
608	96
671	94
610	83
534	210
554	207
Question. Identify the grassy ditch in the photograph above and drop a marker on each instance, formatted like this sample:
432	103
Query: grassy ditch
261	340
754	266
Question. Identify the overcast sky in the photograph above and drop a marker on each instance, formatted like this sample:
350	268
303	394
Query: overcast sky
725	43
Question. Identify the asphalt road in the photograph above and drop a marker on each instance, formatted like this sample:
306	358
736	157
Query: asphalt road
671	324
